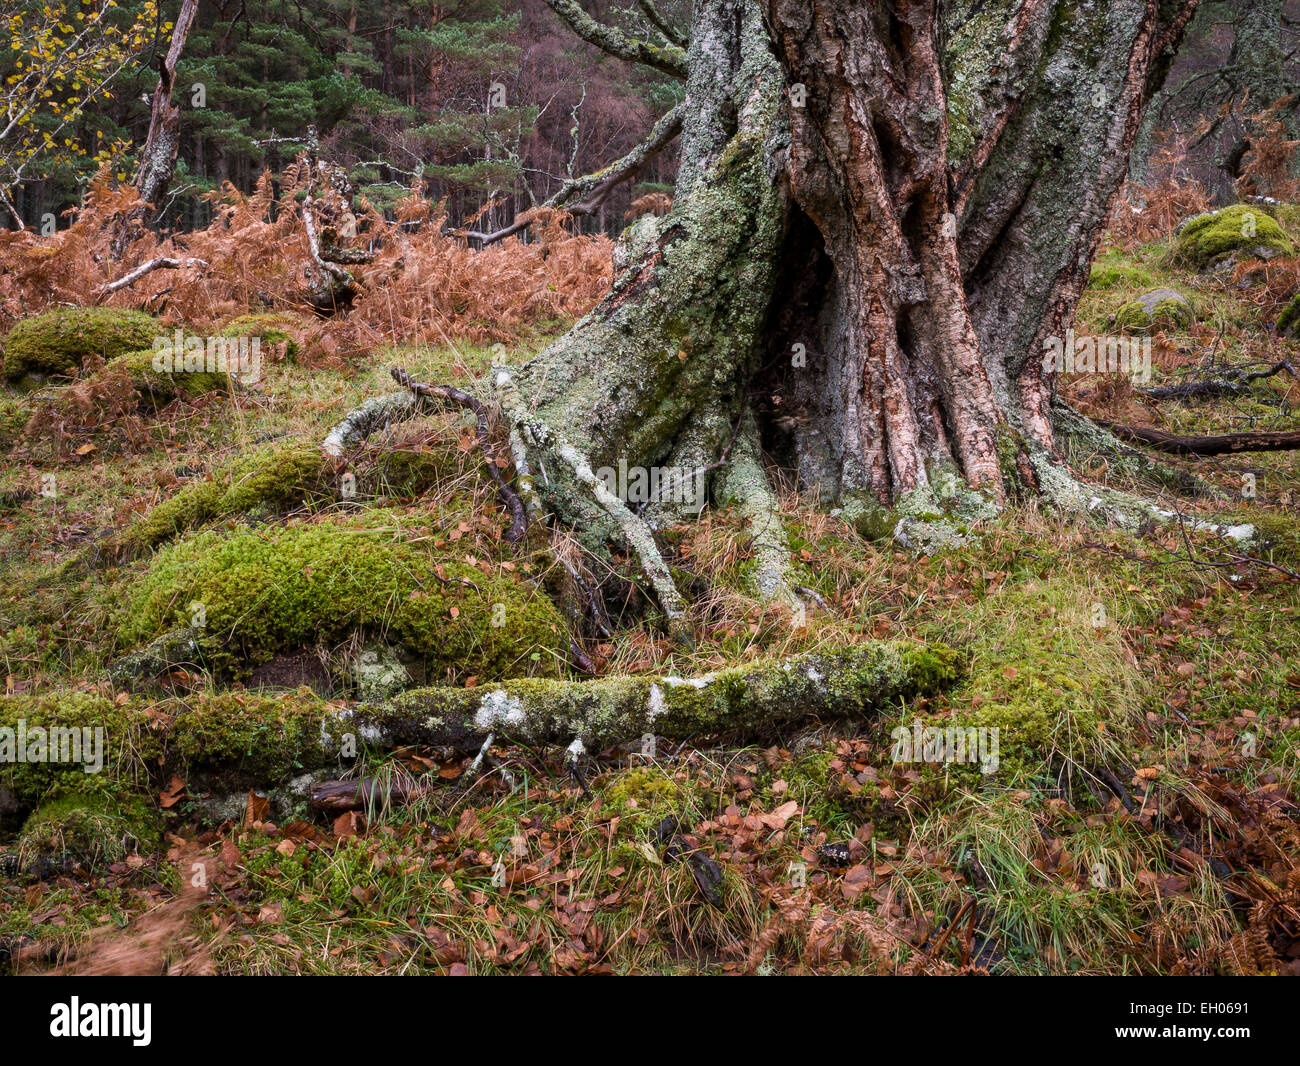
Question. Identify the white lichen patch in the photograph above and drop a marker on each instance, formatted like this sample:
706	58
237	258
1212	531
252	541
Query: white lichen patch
693	682
499	710
656	706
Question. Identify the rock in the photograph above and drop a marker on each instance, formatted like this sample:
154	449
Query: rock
1159	307
1217	240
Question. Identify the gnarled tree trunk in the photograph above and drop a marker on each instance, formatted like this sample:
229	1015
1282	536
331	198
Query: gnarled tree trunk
883	210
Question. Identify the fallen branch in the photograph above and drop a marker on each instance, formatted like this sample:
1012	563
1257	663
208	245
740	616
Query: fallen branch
364	792
1221	444
510	498
1237	385
283	744
161	263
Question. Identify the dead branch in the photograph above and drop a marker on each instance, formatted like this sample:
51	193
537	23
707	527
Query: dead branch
163	262
510	498
1221	444
596	186
1236	385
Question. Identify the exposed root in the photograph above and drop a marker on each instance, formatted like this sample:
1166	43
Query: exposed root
374	414
745	482
633	528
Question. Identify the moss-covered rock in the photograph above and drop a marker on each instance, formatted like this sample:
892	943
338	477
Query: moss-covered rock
275	329
99	824
1241	231
1288	321
271	478
57	341
1157	309
253	593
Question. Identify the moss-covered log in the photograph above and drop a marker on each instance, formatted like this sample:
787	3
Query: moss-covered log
221	743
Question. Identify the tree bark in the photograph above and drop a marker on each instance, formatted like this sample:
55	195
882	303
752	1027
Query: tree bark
158	157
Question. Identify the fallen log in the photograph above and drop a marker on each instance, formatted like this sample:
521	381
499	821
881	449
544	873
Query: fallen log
218	745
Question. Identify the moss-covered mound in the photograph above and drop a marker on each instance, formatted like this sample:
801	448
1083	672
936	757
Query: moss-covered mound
278	477
156	376
271	478
253	593
273	328
57	341
1237	232
97	825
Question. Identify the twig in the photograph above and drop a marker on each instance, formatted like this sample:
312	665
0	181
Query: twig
513	504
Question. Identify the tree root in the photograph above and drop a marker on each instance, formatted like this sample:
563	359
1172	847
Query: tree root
513	504
376	413
526	430
744	481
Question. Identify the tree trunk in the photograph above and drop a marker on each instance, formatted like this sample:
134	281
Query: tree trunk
883	213
158	157
865	210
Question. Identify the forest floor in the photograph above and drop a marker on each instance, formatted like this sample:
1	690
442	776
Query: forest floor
1146	689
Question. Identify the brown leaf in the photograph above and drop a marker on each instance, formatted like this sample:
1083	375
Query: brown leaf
172	794
258	809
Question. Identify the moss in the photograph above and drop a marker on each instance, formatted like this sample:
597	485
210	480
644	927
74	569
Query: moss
1056	686
1206	240
250	737
273	328
1107	276
1289	318
58	341
274	478
13	417
129	745
95	825
163	385
270	590
643	796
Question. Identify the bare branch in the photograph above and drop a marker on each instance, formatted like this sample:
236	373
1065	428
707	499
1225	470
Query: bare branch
161	263
670	32
670	59
598	185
